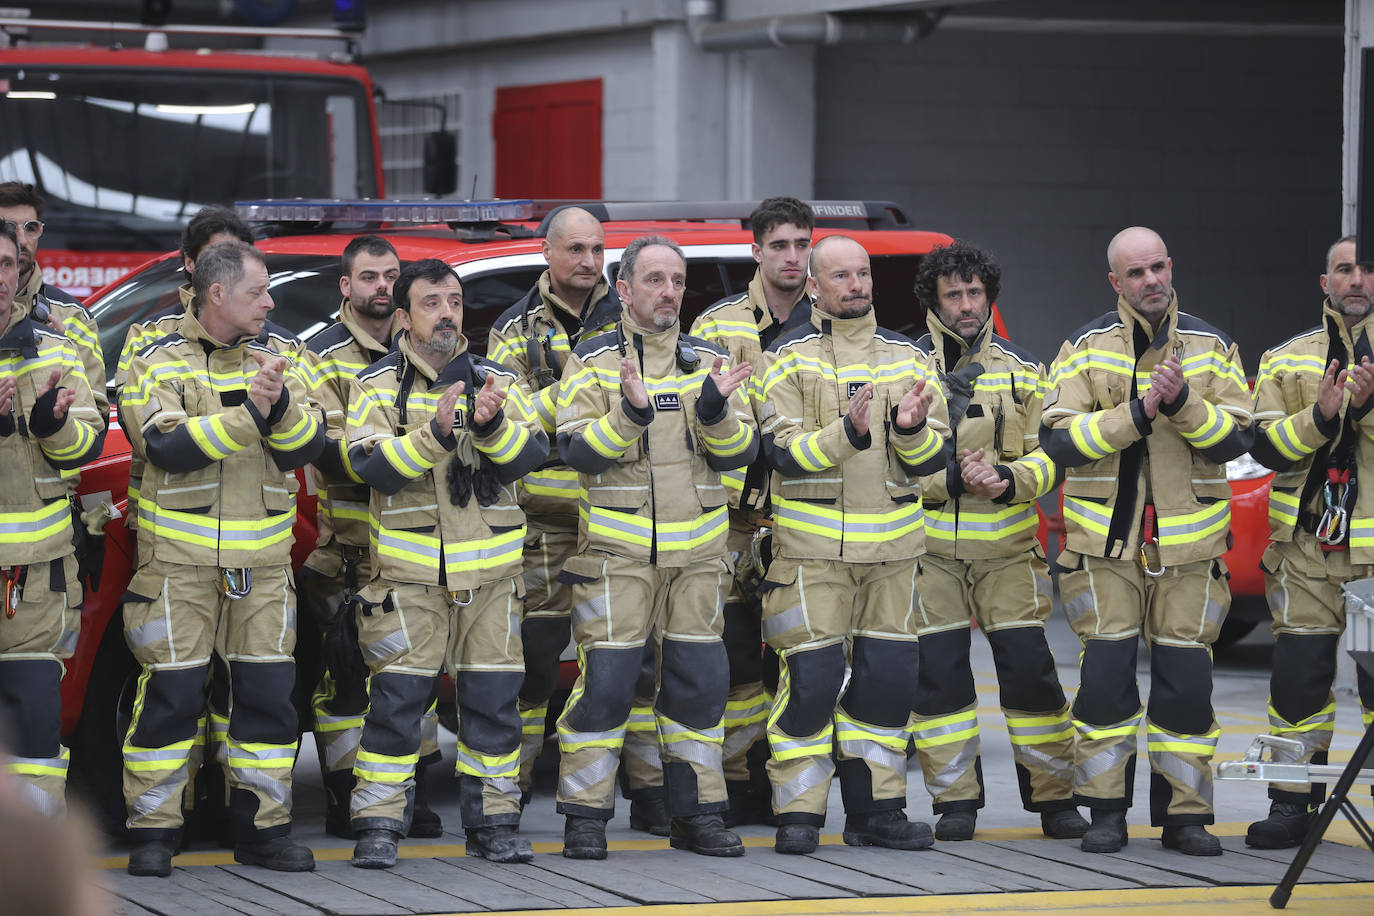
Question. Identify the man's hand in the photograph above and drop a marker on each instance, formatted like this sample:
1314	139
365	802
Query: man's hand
980	477
65	396
1167	378
1332	390
631	385
858	408
912	408
267	385
8	386
727	383
448	403
1360	381
489	401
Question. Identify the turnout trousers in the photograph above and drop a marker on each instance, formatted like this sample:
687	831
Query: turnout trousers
815	613
407	632
746	710
1011	599
176	617
617	605
33	643
1303	585
1109	603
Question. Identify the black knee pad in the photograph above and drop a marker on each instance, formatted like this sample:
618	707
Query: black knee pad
1108	673
608	681
393	721
693	683
262	709
172	704
880	688
31	694
544	639
743	638
488	720
813	678
1304	667
1181	689
944	680
1025	670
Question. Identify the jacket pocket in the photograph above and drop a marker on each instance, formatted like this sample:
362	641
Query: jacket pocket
1096	480
198	490
406	516
583	568
826	486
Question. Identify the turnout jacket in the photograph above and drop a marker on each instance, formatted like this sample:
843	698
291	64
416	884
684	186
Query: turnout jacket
333	359
35	449
219	483
838	495
1117	460
534	338
744	327
651	478
421	531
1299	444
994	391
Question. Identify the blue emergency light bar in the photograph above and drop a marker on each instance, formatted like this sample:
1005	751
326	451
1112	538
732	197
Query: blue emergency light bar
306	210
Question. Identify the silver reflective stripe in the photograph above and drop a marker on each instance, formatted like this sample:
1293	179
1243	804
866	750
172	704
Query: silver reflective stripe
488	772
503	784
950	773
1079	605
368	794
67	641
341	745
393	644
1103	761
278	790
818	772
926	733
1037	760
594	773
703	753
1190	777
148	633
149	801
40	801
1215	612
1053	728
592	609
876	754
380	766
790	619
740	738
648	751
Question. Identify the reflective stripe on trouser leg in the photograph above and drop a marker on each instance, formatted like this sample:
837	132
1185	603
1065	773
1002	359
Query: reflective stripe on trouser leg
1105	769
1043	746
690	711
591	730
945	721
800	765
746	717
948	748
336	732
42	781
30	696
158	746
1184	762
484	652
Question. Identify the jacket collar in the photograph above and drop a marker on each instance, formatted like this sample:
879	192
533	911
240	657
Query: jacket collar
21	335
552	300
1356	339
763	315
858	330
24	297
419	362
1167	328
946	341
349	319
189	327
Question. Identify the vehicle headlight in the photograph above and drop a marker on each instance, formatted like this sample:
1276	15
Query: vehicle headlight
1244	467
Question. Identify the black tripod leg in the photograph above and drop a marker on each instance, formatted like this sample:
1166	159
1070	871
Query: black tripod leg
1279	899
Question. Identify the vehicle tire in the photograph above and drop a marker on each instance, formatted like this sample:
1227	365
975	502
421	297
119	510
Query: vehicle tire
97	767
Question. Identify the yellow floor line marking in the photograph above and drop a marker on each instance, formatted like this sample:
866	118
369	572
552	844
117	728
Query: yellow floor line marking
1309	898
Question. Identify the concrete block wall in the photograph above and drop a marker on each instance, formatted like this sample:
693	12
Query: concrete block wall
1041	147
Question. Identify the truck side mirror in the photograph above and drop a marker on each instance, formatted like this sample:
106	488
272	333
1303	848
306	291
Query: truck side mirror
440	170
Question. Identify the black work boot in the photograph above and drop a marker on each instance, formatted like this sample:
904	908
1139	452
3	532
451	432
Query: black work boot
152	859
279	854
1191	840
797	839
584	838
424	820
956	825
376	848
1064	824
748	805
887	828
1286	826
705	835
338	790
1107	832
649	811
499	843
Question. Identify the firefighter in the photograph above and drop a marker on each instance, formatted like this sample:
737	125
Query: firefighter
207	785
218	409
982	559
441	436
1312	401
775	303
650	417
339	565
570	302
853	418
49	423
1147	404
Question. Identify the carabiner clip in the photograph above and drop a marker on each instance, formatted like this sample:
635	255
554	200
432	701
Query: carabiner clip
453	596
1153	570
761	534
235	583
14	591
1332	527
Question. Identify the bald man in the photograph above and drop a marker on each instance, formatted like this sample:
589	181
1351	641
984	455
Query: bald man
1147	404
571	301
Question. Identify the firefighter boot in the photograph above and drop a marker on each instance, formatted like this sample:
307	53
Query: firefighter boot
338	788
1286	826
956	825
1191	840
1064	824
279	854
152	859
376	848
649	811
584	838
498	843
888	828
705	835
1107	832
797	839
